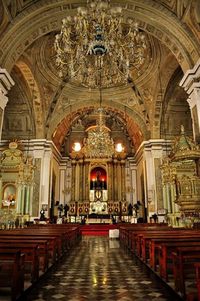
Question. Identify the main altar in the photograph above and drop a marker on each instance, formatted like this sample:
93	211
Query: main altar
97	183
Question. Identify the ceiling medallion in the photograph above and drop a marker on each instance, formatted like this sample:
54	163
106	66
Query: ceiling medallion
99	37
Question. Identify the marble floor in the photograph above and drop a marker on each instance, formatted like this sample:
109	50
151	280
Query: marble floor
98	269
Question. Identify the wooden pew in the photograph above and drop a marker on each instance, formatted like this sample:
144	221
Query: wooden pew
53	244
197	268
43	248
165	254
160	247
31	257
37	243
56	239
184	259
59	238
61	235
144	239
147	244
12	271
72	234
129	234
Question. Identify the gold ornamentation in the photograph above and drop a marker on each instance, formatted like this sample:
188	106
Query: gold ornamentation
184	148
99	36
99	144
180	171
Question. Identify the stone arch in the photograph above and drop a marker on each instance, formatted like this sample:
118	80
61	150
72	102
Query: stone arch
174	103
36	98
19	122
136	127
42	18
165	72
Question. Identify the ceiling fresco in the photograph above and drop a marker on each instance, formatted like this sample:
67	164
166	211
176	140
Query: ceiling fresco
149	106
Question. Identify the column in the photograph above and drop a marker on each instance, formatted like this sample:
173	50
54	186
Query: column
133	195
18	204
119	181
77	182
191	84
6	83
87	184
123	180
22	200
45	178
115	184
27	200
109	182
62	185
84	182
153	153
68	183
73	180
43	155
81	180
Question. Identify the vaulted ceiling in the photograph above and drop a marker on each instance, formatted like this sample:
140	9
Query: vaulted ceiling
152	106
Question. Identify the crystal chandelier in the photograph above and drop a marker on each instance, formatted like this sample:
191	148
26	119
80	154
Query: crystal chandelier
98	36
99	144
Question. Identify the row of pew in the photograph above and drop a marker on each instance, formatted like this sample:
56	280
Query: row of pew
26	254
172	253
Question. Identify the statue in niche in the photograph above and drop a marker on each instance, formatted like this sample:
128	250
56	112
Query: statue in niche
98	181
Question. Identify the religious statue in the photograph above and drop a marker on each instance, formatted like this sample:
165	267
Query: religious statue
42	215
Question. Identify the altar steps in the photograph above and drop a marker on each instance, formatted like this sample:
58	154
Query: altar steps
95	230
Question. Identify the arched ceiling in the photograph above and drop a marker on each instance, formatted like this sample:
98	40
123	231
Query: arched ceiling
87	116
27	33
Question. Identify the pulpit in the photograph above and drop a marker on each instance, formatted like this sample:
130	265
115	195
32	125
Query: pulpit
181	181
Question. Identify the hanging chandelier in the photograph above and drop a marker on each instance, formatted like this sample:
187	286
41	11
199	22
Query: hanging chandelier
99	36
98	143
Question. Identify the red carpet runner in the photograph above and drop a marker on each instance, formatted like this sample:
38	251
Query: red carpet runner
97	229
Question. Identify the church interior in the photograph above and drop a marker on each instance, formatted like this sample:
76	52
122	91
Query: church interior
100	134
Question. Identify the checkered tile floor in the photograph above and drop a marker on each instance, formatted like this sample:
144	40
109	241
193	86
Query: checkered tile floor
98	269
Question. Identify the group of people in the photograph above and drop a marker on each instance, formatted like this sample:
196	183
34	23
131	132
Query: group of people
59	217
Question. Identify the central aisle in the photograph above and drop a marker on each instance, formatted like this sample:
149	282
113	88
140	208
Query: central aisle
98	269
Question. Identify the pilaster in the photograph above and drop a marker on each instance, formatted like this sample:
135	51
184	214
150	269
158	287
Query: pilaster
191	84
42	153
6	83
62	185
153	159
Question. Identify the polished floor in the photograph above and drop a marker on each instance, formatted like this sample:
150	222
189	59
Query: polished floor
98	269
